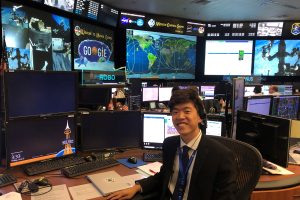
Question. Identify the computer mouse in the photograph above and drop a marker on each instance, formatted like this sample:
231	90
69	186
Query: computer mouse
297	151
132	160
88	158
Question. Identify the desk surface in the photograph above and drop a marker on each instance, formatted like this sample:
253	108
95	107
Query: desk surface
56	178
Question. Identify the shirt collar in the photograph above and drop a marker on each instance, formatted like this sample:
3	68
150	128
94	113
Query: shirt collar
193	144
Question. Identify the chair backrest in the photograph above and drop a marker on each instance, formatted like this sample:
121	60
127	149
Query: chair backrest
249	165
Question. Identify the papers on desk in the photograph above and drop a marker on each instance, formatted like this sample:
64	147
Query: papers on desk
11	196
278	170
150	169
58	192
84	192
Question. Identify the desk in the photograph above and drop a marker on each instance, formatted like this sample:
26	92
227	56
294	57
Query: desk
56	178
290	193
287	187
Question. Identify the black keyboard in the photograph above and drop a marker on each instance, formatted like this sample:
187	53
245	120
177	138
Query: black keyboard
87	167
6	179
53	164
152	157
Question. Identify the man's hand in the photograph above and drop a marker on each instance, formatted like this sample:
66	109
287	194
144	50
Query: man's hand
125	194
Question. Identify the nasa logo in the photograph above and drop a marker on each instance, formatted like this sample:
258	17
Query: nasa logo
124	20
94	51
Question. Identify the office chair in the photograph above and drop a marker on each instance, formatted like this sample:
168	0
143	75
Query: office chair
249	165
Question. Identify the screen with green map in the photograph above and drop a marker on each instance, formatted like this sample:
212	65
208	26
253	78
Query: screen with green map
160	55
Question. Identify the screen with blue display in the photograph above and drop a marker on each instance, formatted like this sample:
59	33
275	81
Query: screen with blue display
35	40
277	58
160	55
93	47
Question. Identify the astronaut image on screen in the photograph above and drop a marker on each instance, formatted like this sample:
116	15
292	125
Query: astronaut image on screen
67	5
18	58
277	58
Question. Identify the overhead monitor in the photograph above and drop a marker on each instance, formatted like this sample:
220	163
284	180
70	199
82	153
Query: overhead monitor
150	94
269	134
164	93
41	138
276	58
228	57
35	40
160	55
157	127
108	15
259	104
286	106
87	8
110	130
269	28
29	93
66	5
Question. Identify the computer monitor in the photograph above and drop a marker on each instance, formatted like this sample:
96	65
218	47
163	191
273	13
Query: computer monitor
93	96
109	130
150	94
265	89
216	125
214	128
39	138
228	57
63	5
285	89
269	134
31	93
208	91
165	56
249	91
164	93
286	106
36	40
157	127
258	104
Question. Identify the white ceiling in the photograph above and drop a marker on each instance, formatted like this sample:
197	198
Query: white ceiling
215	10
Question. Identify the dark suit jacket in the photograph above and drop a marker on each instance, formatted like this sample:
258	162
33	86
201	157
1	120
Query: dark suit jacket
213	176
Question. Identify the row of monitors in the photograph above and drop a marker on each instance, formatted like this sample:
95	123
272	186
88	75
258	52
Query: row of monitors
38	40
162	94
282	89
207	91
99	131
281	106
57	134
91	9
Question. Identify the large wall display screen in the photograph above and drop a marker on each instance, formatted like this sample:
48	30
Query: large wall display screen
160	55
228	57
277	58
35	40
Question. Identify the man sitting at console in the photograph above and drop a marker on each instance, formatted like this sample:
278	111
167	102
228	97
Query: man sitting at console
194	165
